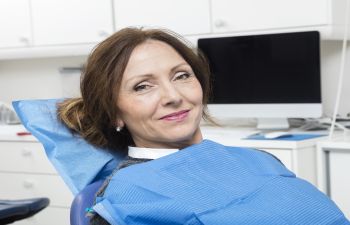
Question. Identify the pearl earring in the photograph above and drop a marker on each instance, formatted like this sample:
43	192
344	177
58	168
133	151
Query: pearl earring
118	129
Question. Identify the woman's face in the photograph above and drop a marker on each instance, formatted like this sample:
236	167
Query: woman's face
160	98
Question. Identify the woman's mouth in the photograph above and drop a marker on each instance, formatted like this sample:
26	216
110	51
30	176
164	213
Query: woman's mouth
177	116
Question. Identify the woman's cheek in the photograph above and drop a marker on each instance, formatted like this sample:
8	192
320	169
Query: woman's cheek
147	100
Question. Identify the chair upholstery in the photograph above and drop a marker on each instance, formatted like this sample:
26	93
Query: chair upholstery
81	202
13	210
78	162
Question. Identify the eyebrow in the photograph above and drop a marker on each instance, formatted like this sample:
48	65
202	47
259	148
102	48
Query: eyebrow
150	74
179	65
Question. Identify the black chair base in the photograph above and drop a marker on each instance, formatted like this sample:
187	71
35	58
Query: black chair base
13	210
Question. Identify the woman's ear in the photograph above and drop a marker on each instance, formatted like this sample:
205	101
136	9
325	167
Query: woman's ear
120	123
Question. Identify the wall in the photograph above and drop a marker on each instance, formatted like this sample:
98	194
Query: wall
35	78
331	56
40	78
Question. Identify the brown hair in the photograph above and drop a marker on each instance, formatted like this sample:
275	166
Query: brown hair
94	115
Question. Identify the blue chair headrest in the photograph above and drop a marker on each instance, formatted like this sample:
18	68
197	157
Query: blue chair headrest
78	162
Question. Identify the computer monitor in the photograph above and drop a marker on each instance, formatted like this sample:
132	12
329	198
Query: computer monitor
270	77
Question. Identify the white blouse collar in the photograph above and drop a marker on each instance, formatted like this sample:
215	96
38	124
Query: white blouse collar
149	153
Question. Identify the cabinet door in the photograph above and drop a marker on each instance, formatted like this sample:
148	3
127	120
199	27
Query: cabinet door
21	186
247	15
181	16
71	21
14	23
339	179
49	216
29	157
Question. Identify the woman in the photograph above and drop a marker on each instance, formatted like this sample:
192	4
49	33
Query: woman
145	92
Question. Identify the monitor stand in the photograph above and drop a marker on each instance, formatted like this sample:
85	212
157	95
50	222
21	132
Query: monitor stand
272	123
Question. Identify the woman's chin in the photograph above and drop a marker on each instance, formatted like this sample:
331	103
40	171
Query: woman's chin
192	136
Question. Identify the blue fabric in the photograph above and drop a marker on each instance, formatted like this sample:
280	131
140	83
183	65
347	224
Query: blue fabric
291	137
210	184
77	162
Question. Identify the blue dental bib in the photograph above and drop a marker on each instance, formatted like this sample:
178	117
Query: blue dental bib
210	184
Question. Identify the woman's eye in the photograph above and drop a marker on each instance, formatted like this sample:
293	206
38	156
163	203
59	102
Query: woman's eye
141	87
182	76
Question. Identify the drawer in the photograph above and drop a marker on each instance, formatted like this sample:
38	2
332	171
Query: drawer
19	186
48	216
26	157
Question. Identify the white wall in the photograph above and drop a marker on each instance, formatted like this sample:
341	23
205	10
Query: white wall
40	78
34	78
331	54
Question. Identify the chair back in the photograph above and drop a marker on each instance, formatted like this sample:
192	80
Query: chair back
81	202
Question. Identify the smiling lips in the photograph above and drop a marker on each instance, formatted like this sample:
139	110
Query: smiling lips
177	116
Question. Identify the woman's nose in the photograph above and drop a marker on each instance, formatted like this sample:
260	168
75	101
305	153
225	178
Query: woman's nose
170	95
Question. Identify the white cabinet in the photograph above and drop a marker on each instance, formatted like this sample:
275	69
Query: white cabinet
29	158
59	22
40	28
14	23
49	216
182	16
339	167
25	172
333	172
248	15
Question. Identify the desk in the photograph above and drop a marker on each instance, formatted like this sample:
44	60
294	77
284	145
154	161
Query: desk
333	166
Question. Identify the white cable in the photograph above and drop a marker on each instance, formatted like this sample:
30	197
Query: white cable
341	72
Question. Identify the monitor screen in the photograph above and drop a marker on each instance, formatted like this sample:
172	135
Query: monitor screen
271	77
264	69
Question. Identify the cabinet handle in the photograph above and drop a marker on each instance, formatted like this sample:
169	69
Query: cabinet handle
220	23
103	33
26	153
24	40
28	184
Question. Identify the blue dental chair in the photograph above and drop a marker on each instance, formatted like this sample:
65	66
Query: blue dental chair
66	152
13	210
82	202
